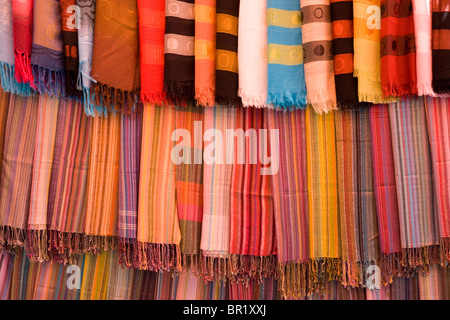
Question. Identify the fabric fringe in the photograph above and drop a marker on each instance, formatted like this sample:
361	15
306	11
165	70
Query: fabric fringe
71	85
153	97
323	270
425	89
37	245
399	90
9	82
354	272
367	74
445	251
251	99
11	237
214	267
441	86
107	98
158	257
229	101
391	267
351	105
205	97
95	244
179	93
128	252
421	258
23	69
49	81
374	98
245	267
294	279
291	101
191	262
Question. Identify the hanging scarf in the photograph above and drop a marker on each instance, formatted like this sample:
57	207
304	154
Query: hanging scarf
342	30
413	176
205	52
17	169
252	228
398	49
115	57
324	233
189	182
319	65
70	45
422	32
103	185
67	197
357	210
47	49
7	59
441	46
6	272
95	275
431	286
252	53
227	83
438	116
290	199
179	61
286	75
5	98
130	158
158	232
44	147
385	192
85	45
151	42
367	51
23	37
217	176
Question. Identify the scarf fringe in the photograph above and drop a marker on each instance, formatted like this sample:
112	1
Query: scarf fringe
107	98
231	102
294	279
398	90
421	258
323	270
391	267
9	82
252	99
445	251
128	252
37	244
441	86
351	105
23	69
71	85
205	96
367	74
95	244
214	267
354	272
325	105
191	262
11	237
374	98
287	101
153	97
425	89
158	257
245	267
179	93
49	81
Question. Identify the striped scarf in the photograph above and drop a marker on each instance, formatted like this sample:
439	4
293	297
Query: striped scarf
179	61
385	191
431	286
357	210
151	44
286	73
319	65
205	52
252	228
413	176
217	177
189	182
67	197
115	56
422	32
44	147
227	83
398	49
158	232
130	158
5	98
441	45
6	272
324	233
438	116
47	48
17	170
85	46
103	185
342	28
252	53
290	198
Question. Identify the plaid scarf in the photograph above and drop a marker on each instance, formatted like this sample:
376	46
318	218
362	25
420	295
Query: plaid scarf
205	52
285	75
115	57
441	46
319	65
23	38
47	48
179	62
252	53
342	29
151	42
227	82
398	49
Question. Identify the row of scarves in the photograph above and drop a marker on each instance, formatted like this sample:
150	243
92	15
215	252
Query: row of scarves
101	278
350	189
282	54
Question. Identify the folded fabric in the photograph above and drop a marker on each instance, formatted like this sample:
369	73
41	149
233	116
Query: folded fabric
441	45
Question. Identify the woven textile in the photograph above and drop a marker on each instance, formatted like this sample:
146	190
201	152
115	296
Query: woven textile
431	286
441	45
6	271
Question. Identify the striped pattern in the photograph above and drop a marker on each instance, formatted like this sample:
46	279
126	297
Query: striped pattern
431	286
285	73
158	231
6	271
205	52
440	21
5	99
319	63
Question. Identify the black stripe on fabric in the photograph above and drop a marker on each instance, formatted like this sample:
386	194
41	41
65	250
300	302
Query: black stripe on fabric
342	46
342	10
187	1
180	26
227	85
346	90
179	68
440	20
230	7
226	41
